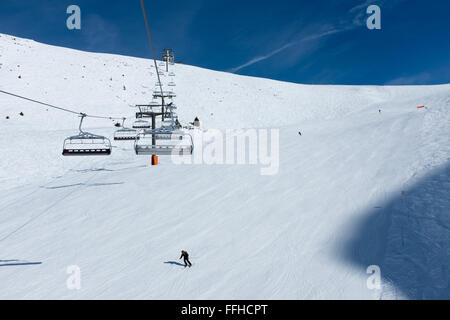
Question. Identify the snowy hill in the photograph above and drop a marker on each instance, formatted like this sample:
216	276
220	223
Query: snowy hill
357	188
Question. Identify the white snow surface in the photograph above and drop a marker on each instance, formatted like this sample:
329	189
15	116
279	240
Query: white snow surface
358	188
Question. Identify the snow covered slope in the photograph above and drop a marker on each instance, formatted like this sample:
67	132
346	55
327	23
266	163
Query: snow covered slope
358	188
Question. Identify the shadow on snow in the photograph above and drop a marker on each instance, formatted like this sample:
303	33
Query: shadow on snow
83	184
409	239
175	263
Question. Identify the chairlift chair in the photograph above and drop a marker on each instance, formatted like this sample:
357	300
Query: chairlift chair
86	144
171	106
170	115
167	143
168	123
171	84
141	124
165	94
171	74
125	134
168	133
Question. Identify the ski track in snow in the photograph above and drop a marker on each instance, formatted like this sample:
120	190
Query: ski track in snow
301	234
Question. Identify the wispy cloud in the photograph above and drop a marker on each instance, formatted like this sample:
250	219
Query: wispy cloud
354	20
261	58
315	36
360	10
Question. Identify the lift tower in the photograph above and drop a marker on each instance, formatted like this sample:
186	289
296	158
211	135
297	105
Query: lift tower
168	57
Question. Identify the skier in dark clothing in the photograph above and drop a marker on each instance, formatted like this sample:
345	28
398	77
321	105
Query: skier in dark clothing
185	255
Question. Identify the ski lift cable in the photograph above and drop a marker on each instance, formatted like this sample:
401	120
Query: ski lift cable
147	25
60	108
45	211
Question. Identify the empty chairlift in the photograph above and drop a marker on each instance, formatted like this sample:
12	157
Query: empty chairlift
166	94
172	74
164	142
168	123
171	106
168	131
141	124
171	84
154	104
170	117
86	144
125	134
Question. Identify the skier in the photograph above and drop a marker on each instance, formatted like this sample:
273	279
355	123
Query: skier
185	255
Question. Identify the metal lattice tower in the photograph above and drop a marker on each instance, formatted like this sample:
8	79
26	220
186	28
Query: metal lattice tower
168	56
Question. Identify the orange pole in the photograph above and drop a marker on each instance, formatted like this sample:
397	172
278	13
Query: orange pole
154	160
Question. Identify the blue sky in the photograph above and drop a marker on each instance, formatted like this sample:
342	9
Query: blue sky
304	41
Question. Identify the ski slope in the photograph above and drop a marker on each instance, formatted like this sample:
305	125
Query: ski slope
358	188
